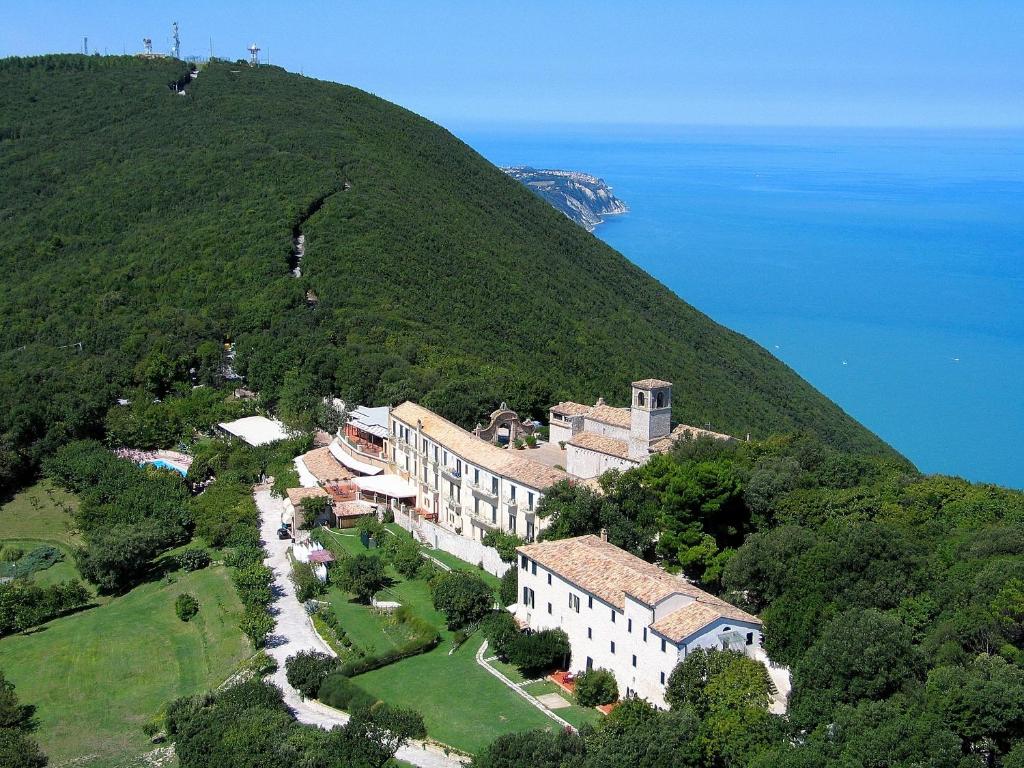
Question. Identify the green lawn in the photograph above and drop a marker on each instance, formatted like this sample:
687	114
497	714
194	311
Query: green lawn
40	513
462	704
65	570
575	714
98	675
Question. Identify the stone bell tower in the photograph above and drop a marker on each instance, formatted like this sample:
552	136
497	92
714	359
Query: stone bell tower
650	415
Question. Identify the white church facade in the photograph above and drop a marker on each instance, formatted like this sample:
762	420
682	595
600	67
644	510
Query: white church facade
601	437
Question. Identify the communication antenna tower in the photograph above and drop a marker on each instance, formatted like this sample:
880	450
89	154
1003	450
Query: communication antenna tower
176	41
85	45
254	55
147	44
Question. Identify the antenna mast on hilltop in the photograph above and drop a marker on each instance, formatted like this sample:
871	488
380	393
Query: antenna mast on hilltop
254	55
85	45
175	41
147	44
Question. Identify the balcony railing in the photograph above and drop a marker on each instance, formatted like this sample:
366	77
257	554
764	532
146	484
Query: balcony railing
451	472
511	501
484	491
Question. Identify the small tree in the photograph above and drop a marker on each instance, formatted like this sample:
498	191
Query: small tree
363	576
508	593
407	559
312	509
540	652
186	606
306	670
463	597
501	631
596	687
505	543
307	585
192	559
256	624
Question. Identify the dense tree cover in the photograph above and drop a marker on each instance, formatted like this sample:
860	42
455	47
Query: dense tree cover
249	726
896	599
134	247
463	597
17	721
24	604
594	687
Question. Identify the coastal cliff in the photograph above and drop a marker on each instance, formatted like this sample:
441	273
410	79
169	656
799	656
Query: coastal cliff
583	198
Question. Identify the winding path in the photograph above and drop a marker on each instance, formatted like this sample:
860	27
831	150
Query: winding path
293	632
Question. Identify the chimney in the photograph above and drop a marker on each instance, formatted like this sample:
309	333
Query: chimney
604	534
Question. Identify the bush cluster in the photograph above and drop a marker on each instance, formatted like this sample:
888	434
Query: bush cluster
306	670
19	564
24	605
596	687
186	606
192	559
505	543
463	597
338	691
307	585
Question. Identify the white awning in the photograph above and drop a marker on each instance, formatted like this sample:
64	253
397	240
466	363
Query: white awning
386	485
306	478
256	430
354	464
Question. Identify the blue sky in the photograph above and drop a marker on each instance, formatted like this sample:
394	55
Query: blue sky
828	62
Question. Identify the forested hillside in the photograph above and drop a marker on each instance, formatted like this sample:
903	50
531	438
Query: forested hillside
143	229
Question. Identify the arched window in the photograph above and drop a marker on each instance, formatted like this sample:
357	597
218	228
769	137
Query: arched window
640	398
659	400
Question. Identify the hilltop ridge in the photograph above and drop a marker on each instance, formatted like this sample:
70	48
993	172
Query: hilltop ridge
144	229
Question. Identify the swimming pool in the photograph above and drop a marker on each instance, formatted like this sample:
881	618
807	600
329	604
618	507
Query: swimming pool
166	465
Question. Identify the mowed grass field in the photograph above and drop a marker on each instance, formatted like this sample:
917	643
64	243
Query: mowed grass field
98	676
462	704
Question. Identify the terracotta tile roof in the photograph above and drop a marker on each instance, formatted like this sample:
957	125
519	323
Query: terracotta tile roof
569	408
607	571
297	495
610	573
352	509
506	463
324	467
684	431
608	445
683	622
607	414
651	383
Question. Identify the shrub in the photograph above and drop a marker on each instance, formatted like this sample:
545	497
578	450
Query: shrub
463	597
186	606
387	516
337	690
192	559
596	687
501	631
253	585
11	554
24	605
307	585
20	565
312	509
256	624
240	557
505	543
508	593
306	670
531	441
540	652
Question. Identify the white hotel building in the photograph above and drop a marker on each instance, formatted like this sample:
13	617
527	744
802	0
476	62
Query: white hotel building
625	614
466	484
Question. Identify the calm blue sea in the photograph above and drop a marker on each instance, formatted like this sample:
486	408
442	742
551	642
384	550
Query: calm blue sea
886	267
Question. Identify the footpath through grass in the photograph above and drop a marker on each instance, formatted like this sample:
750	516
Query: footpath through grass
462	704
97	676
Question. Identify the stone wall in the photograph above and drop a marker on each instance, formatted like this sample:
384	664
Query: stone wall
472	552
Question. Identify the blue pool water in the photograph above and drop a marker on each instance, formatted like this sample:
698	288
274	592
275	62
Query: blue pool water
886	267
166	465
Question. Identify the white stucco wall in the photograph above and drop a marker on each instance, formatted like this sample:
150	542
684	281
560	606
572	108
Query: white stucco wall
472	552
584	463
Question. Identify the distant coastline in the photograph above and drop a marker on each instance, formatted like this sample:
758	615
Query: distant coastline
585	199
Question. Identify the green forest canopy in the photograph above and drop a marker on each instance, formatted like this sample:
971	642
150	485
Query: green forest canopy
143	229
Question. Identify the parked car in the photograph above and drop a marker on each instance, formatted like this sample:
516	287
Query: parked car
283	532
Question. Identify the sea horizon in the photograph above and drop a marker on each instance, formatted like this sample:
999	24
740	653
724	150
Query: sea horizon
882	264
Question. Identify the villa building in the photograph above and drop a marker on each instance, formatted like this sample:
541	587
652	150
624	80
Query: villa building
624	614
601	437
464	483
